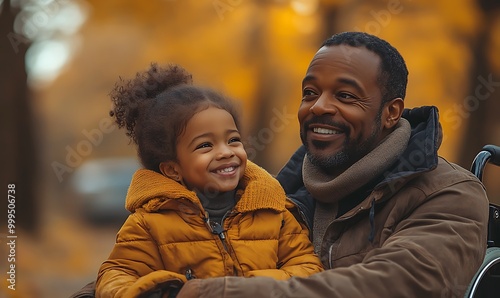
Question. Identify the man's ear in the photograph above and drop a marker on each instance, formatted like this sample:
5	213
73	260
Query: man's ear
392	112
171	170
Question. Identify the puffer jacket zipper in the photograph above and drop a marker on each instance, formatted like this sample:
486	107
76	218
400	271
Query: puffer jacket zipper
217	229
229	249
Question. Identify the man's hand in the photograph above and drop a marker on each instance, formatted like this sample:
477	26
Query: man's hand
206	288
191	289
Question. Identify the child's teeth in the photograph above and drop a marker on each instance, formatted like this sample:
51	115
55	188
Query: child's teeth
226	170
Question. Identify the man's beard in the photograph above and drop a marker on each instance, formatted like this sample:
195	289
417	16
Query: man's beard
351	152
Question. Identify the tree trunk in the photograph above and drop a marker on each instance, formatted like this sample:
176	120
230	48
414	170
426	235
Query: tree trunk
482	103
18	153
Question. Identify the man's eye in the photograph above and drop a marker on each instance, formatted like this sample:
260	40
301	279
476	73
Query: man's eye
346	96
308	92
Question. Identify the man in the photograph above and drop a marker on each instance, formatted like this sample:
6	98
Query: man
388	217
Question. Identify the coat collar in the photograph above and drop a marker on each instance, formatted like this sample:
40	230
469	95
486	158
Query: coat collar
421	153
153	191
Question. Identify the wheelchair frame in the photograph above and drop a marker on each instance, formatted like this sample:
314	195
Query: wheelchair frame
486	281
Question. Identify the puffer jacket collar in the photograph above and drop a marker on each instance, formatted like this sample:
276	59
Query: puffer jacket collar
419	156
152	191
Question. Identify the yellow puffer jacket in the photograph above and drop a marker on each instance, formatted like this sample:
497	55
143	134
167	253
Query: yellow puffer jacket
166	239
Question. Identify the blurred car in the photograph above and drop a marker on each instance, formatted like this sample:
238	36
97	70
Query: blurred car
100	187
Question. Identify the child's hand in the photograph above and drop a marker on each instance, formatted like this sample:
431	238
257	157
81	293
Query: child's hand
170	292
167	289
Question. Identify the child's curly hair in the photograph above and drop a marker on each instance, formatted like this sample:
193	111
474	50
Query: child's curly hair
155	107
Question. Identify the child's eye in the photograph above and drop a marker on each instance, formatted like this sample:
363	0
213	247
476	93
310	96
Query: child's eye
235	139
204	145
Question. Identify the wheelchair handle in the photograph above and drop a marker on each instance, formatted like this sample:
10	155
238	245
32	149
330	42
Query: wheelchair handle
495	154
489	153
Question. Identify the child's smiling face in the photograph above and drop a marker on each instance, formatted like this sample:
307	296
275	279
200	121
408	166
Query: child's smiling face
210	155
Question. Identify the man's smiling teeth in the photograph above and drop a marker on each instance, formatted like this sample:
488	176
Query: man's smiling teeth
225	170
325	131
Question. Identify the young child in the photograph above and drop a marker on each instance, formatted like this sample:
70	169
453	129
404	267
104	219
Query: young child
199	208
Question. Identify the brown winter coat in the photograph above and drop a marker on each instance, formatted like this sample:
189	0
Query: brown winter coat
166	239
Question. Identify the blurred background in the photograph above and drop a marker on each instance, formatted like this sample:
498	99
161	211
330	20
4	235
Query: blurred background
71	165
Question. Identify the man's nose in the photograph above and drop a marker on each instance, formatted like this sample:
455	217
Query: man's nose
325	104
